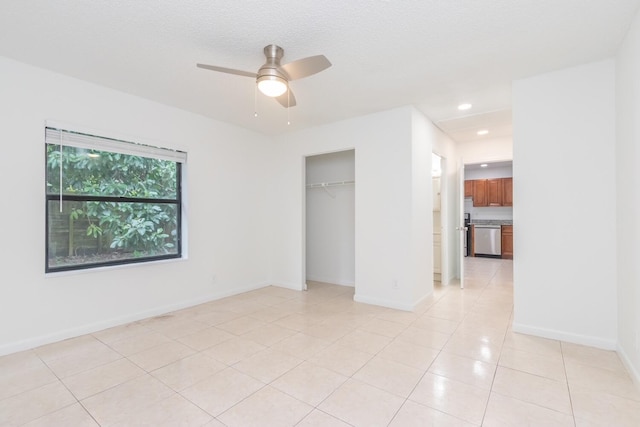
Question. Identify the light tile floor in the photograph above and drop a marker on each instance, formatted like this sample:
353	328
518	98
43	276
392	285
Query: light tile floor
277	357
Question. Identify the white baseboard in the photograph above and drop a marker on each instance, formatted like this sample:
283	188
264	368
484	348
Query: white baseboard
383	302
587	340
633	371
37	341
421	300
332	280
293	286
390	304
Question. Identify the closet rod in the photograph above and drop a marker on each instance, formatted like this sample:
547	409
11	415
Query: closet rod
329	184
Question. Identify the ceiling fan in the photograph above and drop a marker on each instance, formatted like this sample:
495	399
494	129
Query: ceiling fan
273	78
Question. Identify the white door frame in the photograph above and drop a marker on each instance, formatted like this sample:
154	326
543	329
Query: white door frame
460	219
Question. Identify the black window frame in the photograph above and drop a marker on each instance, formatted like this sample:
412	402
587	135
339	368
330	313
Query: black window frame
178	202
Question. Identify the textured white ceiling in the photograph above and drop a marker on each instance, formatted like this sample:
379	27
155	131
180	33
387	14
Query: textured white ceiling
433	54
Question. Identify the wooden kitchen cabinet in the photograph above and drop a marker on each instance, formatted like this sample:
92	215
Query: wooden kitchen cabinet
490	192
494	192
507	241
468	188
480	192
507	191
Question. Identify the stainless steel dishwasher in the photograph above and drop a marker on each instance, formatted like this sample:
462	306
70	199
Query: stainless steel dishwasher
487	240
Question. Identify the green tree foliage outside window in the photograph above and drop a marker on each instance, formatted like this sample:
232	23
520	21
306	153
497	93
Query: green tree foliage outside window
116	208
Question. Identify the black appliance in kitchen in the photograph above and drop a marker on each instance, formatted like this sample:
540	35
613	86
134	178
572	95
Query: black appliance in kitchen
467	234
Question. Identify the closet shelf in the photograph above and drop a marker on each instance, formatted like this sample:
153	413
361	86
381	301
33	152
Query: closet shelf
330	184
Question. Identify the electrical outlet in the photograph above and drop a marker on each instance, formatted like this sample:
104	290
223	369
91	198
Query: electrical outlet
394	284
214	279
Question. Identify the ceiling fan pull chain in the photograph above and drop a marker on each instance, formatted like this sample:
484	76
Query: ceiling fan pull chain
255	100
288	107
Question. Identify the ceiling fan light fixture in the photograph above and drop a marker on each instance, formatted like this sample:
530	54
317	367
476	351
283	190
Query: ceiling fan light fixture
273	78
272	86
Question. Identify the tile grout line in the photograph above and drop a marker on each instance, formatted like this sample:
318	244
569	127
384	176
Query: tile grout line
566	376
59	380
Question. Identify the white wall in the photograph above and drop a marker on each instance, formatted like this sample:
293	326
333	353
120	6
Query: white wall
628	197
486	150
489	172
384	250
564	159
330	219
423	137
227	174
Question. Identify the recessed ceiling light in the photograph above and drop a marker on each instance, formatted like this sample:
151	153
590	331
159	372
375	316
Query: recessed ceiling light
483	132
463	107
484	165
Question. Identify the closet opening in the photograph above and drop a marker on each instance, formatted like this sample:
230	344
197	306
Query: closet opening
330	218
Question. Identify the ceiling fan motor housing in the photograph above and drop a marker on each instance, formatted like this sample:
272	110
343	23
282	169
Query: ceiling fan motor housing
270	71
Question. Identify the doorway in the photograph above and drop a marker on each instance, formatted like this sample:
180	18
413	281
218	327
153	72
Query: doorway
488	202
330	218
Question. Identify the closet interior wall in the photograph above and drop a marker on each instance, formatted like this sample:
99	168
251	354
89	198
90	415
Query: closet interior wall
330	218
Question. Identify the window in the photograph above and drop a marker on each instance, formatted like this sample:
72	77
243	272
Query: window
110	202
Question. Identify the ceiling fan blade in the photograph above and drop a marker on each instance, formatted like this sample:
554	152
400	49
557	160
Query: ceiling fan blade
287	99
306	66
228	70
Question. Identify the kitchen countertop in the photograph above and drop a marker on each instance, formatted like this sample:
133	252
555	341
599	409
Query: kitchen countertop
491	222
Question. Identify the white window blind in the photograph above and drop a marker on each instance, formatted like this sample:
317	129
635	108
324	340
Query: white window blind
69	138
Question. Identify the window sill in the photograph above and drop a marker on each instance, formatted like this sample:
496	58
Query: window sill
54	274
